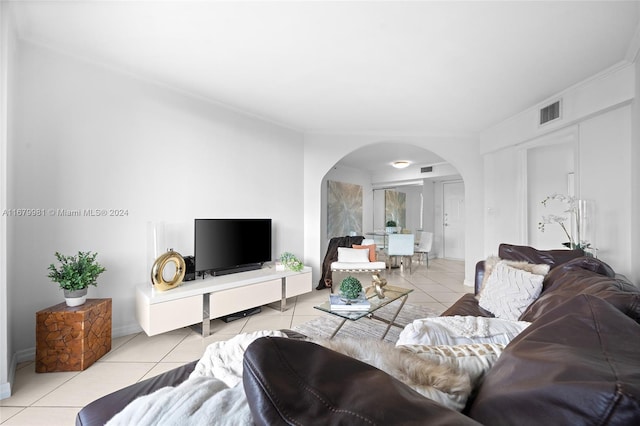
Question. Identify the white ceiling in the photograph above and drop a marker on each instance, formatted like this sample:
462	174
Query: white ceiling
387	67
376	158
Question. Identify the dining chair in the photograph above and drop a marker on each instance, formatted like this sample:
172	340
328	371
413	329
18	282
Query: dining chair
424	245
401	245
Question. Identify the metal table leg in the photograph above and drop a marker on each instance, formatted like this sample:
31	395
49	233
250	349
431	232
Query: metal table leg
283	300
206	327
392	322
338	328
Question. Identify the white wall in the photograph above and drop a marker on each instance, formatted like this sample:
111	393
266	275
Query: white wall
322	151
548	167
7	52
89	138
597	121
428	213
635	177
612	87
605	177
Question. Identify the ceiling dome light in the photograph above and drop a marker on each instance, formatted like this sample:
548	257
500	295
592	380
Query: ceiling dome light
400	164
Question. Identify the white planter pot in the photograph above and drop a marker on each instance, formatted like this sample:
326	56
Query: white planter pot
75	297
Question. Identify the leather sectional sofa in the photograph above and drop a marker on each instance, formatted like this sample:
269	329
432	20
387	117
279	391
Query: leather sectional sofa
578	363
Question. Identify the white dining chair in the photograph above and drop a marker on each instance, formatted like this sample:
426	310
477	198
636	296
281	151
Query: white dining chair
401	245
425	243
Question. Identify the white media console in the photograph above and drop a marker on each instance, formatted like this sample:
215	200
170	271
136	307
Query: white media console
202	300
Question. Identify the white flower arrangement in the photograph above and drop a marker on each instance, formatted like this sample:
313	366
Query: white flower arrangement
573	212
291	262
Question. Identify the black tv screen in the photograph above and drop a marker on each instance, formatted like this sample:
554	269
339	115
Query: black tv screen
231	245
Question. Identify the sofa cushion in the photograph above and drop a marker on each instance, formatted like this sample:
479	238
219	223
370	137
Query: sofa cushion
353	255
492	261
296	382
528	254
372	251
585	275
575	365
509	291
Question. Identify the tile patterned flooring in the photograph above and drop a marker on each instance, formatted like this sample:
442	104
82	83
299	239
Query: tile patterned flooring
55	398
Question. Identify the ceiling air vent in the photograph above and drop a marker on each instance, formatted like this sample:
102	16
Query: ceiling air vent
550	112
427	169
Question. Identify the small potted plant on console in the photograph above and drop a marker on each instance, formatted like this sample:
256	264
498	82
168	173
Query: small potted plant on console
75	274
290	261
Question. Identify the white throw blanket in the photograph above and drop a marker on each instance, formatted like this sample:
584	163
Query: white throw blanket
223	360
213	393
460	330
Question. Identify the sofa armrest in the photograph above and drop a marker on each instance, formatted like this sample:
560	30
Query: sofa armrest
102	410
298	382
575	365
467	306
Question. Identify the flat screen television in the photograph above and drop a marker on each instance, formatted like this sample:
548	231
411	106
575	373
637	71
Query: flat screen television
224	246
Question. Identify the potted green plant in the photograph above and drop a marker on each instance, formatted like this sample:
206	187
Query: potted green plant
350	288
391	227
75	274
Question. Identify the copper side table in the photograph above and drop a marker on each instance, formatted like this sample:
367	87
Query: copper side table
72	338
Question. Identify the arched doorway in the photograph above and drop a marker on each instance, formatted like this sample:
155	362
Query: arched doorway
356	191
323	151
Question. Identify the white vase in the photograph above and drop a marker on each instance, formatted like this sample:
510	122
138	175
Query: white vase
75	297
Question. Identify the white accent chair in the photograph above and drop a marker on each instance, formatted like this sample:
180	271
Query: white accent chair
401	245
425	243
354	261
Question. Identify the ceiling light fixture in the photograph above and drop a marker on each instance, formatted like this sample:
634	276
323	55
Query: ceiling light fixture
400	164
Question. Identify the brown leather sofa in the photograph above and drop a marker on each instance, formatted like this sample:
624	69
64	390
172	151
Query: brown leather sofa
578	363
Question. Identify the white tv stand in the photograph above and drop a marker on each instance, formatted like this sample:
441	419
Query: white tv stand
201	300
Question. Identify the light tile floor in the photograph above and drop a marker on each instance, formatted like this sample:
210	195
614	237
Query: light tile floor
55	398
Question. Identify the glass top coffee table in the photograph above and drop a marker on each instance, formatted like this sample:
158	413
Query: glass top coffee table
391	294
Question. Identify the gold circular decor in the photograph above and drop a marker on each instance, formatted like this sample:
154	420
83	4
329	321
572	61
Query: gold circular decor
157	271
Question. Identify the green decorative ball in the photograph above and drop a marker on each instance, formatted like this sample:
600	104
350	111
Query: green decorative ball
350	287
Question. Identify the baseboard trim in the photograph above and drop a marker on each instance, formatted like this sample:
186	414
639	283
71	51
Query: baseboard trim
25	355
5	388
126	330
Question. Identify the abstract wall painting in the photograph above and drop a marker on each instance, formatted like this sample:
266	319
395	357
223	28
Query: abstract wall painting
344	214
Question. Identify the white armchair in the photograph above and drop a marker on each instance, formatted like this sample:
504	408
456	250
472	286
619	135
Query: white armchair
353	261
